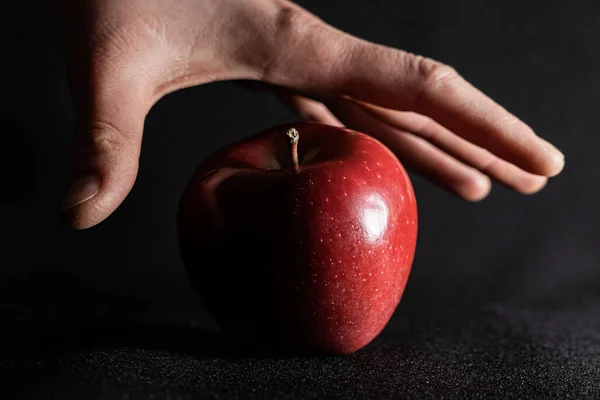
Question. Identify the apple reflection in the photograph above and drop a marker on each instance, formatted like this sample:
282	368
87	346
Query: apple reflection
374	217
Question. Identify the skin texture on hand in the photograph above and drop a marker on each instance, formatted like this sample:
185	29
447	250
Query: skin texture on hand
124	55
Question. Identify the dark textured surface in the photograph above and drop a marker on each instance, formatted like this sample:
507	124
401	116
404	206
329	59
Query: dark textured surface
489	353
504	297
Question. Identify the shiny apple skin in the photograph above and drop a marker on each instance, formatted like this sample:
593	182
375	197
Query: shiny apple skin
315	260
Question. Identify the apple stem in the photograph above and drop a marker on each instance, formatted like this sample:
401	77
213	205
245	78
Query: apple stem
294	137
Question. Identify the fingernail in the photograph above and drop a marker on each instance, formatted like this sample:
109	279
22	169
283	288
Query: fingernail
81	190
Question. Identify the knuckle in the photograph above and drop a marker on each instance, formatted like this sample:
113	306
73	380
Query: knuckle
430	77
433	76
286	20
103	144
488	164
290	29
427	129
105	138
436	75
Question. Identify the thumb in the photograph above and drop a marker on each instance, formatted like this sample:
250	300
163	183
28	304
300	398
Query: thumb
111	109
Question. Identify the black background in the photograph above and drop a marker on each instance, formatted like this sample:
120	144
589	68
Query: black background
504	297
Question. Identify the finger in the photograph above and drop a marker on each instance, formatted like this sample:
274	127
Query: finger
501	171
326	62
111	109
414	152
308	109
417	154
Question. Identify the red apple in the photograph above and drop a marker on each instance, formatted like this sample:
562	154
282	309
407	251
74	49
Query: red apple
306	244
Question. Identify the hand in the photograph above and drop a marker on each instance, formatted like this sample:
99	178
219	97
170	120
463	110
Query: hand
124	55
